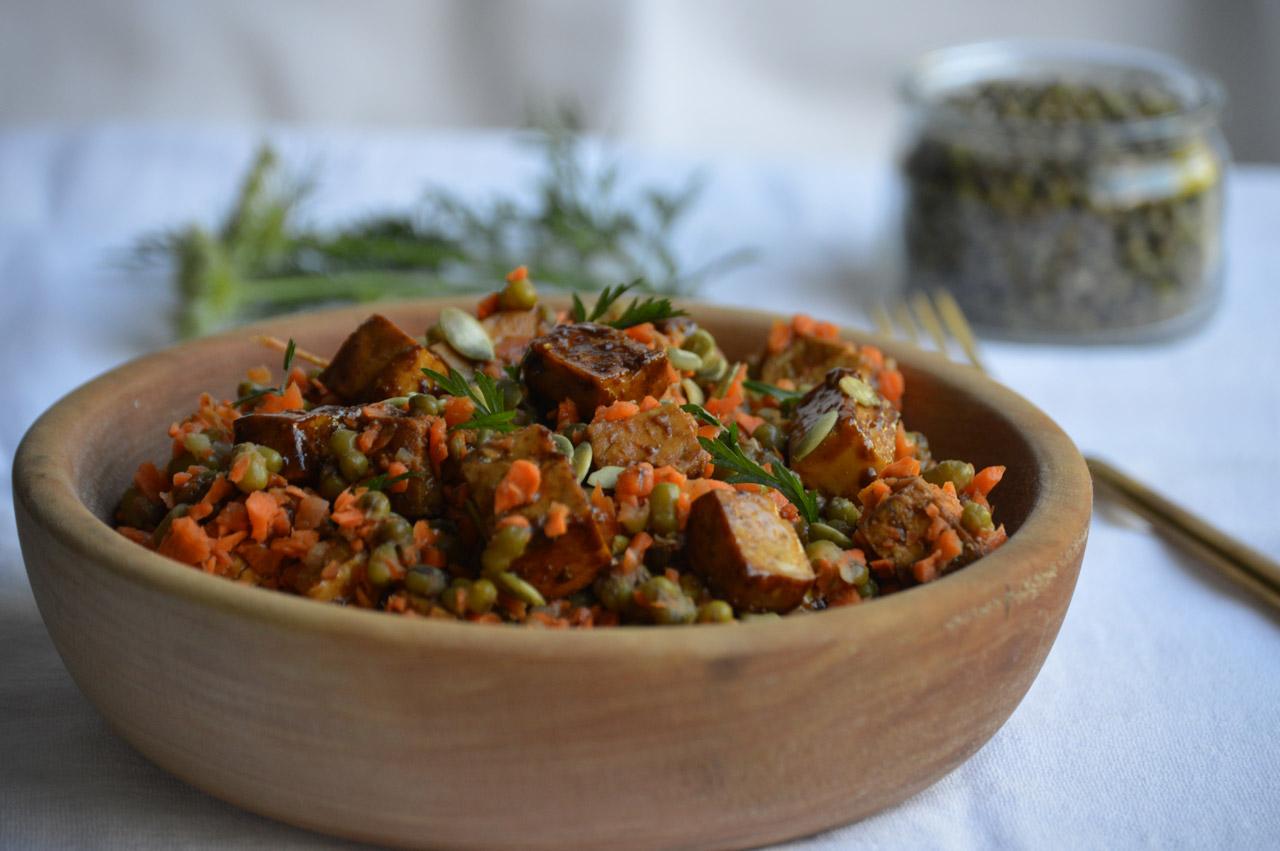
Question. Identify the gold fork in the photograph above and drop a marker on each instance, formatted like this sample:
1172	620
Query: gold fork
942	320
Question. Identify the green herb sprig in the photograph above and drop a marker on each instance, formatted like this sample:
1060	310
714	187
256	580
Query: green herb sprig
491	406
766	389
577	227
385	480
727	453
652	309
284	380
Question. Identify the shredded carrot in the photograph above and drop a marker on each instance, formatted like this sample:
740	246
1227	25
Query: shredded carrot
871	356
438	442
648	403
186	541
667	473
871	495
635	482
262	509
311	512
634	555
398	468
240	467
892	385
258	374
457	410
985	479
779	337
487	306
346	512
367	437
519	273
150	481
748	422
566	413
557	520
275	403
902	445
908	466
518	487
803	324
619	410
642	333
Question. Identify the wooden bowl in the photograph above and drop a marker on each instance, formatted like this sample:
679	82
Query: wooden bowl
414	732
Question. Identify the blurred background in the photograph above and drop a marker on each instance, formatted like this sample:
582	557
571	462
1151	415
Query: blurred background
803	78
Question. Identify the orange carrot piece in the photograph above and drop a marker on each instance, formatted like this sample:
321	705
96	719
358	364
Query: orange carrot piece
518	487
398	468
648	403
557	520
642	333
779	337
258	374
635	482
488	305
566	413
619	410
275	403
262	510
985	479
892	386
457	410
871	495
186	541
667	473
908	466
872	356
634	556
438	442
150	481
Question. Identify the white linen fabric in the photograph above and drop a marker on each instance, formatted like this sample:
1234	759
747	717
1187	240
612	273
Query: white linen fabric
1154	720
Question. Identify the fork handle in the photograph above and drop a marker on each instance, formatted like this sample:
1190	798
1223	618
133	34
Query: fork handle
1231	558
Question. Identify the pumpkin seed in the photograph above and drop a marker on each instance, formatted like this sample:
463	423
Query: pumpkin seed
815	435
605	477
465	333
713	366
582	455
683	360
823	532
700	342
858	390
521	590
563	444
692	391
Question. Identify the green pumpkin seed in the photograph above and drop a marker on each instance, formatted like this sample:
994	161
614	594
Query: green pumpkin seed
815	435
582	455
692	391
684	361
563	444
713	366
605	477
518	588
465	333
858	390
700	342
823	532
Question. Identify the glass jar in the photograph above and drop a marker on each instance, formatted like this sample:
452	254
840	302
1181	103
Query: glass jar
1065	191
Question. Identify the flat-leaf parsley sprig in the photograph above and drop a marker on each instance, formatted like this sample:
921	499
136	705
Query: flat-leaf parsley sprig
491	405
651	309
727	454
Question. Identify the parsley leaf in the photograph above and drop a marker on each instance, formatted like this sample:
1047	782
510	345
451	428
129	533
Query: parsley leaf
651	309
491	407
727	454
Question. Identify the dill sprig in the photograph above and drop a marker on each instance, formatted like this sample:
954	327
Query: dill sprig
491	406
727	453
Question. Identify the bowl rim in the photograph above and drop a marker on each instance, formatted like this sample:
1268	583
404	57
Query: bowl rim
44	490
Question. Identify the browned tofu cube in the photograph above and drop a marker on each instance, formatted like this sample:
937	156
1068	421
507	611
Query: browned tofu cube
746	552
862	441
593	365
663	436
301	438
378	361
403	438
807	360
555	566
512	331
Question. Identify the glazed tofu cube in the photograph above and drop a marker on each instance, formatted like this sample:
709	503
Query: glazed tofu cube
378	361
555	566
593	365
861	443
746	552
663	436
301	438
403	438
807	360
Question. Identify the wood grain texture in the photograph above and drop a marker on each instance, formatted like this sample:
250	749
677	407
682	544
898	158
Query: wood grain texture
453	735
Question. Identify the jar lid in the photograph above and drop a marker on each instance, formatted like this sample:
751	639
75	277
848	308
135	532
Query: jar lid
938	79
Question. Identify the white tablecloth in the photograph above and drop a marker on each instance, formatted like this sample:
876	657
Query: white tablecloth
1156	719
